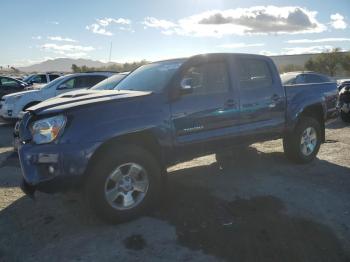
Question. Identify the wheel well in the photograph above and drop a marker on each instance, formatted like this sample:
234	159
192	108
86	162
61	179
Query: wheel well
144	139
30	104
316	112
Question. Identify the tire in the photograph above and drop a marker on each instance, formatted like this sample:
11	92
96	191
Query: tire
345	116
100	181
293	145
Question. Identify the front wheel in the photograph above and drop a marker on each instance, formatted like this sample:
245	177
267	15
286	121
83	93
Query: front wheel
304	143
124	184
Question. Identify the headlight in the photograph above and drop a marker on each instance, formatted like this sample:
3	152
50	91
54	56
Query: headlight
46	130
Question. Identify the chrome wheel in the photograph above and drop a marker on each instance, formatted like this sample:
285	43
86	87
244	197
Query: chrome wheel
126	186
308	141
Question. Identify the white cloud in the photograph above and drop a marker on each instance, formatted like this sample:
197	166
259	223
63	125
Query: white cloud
54	22
39	37
242	21
107	21
97	29
158	23
240	45
100	27
321	40
338	21
74	51
61	39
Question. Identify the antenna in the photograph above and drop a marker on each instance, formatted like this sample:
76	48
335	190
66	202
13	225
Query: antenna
110	53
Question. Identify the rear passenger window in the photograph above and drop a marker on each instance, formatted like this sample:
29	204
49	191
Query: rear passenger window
254	73
53	77
88	81
208	78
93	80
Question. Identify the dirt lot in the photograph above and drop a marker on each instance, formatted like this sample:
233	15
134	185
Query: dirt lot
262	208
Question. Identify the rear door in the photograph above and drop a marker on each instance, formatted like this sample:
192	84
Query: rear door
207	115
262	98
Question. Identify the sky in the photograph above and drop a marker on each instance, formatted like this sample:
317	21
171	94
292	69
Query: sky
36	30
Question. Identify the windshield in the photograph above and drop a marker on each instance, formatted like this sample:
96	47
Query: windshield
27	78
152	77
288	79
109	83
54	82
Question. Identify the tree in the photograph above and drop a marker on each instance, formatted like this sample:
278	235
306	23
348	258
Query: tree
346	63
76	68
327	63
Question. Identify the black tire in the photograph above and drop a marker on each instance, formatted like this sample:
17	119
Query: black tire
345	116
292	142
98	175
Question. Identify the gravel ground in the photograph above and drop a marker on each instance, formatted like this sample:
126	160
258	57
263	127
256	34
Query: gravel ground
260	208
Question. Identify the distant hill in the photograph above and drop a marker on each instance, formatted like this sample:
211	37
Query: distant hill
65	64
61	65
298	60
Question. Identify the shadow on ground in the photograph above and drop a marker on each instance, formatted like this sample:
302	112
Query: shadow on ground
246	229
252	229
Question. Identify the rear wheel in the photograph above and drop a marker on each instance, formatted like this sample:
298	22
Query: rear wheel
304	143
124	184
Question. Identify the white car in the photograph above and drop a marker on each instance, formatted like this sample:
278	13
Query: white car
12	105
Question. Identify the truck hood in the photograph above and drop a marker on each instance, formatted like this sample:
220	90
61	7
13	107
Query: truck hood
83	97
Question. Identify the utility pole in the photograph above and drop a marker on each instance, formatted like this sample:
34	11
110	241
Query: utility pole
110	53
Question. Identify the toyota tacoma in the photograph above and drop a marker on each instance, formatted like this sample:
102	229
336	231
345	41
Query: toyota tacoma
116	145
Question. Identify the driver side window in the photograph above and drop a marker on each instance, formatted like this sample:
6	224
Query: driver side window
208	78
69	84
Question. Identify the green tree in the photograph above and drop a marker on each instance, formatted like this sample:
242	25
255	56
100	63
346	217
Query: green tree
327	63
75	68
346	63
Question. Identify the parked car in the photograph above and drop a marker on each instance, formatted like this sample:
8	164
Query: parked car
295	78
117	144
106	84
13	104
41	79
344	100
9	85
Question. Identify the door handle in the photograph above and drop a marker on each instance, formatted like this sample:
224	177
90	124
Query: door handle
230	103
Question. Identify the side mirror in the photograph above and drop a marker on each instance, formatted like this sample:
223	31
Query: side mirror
186	86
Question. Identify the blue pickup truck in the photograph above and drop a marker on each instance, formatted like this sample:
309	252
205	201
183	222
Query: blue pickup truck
116	145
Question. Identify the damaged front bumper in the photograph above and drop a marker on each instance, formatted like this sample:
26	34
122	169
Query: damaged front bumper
53	168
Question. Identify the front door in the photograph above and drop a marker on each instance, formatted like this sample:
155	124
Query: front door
209	112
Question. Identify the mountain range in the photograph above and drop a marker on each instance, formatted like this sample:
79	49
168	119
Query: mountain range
61	65
65	64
